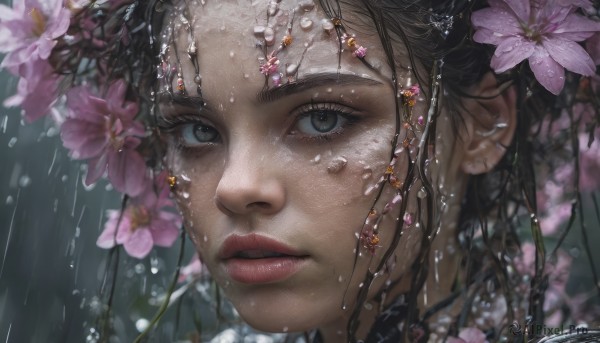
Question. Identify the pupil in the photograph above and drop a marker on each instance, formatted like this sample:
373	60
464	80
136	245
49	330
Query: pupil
323	121
204	133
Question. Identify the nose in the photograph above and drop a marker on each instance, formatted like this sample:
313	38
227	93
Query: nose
249	185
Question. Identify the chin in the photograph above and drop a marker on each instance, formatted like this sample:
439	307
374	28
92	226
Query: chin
284	314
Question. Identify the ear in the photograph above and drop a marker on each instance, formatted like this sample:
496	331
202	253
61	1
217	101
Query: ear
490	121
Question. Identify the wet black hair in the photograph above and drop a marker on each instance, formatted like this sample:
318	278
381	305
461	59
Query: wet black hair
436	36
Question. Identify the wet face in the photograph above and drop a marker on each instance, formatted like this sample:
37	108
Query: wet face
275	181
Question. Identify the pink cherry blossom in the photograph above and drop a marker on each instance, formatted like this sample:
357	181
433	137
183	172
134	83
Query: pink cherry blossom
468	335
146	221
105	132
543	31
37	89
29	30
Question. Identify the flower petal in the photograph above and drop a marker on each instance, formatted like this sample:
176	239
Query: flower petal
96	168
164	232
511	52
520	7
593	47
139	243
570	55
497	20
127	171
547	71
576	28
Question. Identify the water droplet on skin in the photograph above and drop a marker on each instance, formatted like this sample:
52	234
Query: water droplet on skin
340	278
305	23
367	173
327	25
344	307
185	195
232	100
205	238
329	90
246	75
231	54
269	36
337	165
422	193
12	142
361	285
291	69
259	31
316	160
368	306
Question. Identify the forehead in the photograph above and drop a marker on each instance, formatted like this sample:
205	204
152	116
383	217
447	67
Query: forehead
236	42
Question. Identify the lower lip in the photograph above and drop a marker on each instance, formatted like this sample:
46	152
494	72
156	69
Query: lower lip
262	270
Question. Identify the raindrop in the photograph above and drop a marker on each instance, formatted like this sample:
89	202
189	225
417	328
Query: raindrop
340	278
24	181
316	159
344	307
93	336
185	195
64	178
154	265
9	200
141	324
12	142
327	25
422	193
139	268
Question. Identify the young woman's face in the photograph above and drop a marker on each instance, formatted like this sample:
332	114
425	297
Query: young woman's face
272	179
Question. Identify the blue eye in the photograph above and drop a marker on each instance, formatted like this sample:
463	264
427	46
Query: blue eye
194	134
321	119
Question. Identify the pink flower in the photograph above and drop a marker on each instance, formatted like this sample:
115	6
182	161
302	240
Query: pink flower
29	30
144	223
360	52
270	67
104	131
593	47
589	164
191	270
542	31
37	89
468	335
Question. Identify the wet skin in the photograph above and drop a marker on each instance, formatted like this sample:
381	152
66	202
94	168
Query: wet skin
258	161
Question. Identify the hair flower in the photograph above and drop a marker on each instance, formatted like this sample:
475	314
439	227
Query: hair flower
29	30
144	223
544	32
104	131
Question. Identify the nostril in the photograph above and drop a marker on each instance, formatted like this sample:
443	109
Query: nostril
260	204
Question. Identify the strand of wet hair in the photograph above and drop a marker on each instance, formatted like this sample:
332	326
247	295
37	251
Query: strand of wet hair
353	323
579	202
420	266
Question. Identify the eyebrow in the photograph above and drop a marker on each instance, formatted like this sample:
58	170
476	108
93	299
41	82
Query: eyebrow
312	81
194	102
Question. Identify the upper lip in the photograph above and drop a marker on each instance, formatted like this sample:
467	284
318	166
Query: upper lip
252	243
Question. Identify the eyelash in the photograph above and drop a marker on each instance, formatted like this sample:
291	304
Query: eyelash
330	107
172	124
